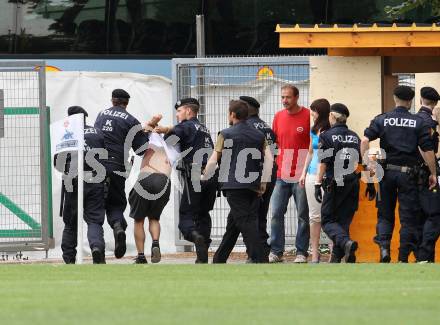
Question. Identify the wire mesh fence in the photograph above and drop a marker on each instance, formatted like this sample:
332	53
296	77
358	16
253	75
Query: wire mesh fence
24	191
215	81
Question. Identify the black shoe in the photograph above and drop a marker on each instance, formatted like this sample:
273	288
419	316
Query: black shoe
69	260
98	256
155	254
350	248
140	259
201	248
250	261
334	259
120	246
385	256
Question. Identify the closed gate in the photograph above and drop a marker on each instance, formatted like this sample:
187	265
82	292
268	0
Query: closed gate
25	171
215	81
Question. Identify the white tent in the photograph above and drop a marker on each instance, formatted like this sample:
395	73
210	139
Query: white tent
92	90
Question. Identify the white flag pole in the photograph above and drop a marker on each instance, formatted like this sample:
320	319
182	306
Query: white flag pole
79	256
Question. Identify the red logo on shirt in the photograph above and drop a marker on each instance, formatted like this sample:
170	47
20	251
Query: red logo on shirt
300	129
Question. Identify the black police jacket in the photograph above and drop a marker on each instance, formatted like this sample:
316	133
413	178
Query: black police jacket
400	133
193	134
239	140
426	114
115	123
270	136
344	146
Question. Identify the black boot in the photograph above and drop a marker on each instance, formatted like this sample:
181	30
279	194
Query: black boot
69	260
385	256
350	248
98	256
201	248
120	246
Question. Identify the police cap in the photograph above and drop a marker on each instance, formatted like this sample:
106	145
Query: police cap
429	93
404	93
120	93
186	101
251	101
340	108
76	110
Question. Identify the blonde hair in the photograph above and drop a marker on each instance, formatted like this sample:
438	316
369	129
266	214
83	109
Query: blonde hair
340	118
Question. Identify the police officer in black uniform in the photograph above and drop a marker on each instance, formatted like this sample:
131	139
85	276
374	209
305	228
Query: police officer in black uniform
429	199
93	196
196	203
121	131
255	121
401	135
339	157
241	178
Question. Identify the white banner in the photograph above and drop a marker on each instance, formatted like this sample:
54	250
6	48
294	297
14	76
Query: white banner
67	134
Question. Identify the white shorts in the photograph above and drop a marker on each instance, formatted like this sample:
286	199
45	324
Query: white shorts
314	206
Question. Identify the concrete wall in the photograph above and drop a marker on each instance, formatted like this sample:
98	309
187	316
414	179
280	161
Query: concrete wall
354	81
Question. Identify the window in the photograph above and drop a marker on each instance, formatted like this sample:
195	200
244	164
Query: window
167	27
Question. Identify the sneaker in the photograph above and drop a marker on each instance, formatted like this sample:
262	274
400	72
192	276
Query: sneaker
120	246
350	248
140	259
300	259
274	258
385	256
155	254
98	256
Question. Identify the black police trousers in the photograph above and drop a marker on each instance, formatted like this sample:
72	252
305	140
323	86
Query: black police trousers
394	186
339	205
429	227
242	219
262	217
195	215
93	216
116	201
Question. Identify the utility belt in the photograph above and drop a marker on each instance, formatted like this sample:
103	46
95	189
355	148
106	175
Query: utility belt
413	172
329	183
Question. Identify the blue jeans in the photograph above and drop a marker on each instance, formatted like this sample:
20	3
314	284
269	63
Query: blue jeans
280	199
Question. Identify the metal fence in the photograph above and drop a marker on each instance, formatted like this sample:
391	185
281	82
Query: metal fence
215	81
25	195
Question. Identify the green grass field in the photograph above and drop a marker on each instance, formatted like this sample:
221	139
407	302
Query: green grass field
225	294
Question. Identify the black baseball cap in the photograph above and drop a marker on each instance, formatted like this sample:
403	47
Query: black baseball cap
76	110
251	101
404	93
186	101
120	93
430	94
340	108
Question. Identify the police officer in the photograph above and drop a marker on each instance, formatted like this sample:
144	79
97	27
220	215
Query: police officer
339	156
429	200
93	197
255	121
401	135
243	179
196	203
121	131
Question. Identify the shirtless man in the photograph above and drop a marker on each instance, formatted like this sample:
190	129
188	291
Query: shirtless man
149	196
